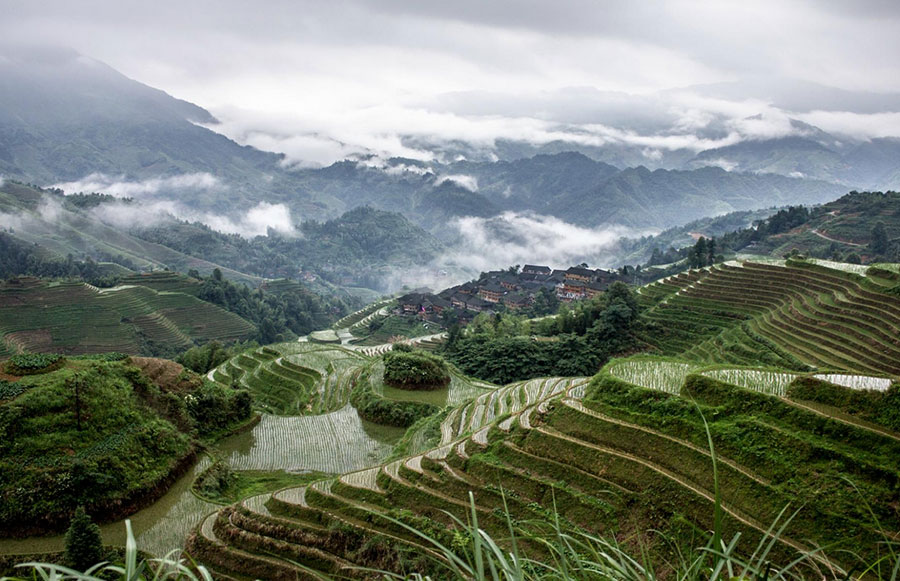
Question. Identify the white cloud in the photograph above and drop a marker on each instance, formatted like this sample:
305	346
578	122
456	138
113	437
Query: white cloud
514	238
721	162
467	182
859	125
254	222
120	188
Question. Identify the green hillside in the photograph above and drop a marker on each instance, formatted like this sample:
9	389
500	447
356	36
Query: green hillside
791	315
788	366
51	225
107	433
767	398
74	318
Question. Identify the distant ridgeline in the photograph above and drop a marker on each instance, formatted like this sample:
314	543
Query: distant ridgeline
859	228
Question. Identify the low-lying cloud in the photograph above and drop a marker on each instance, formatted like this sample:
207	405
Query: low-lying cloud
121	188
257	221
157	201
514	238
466	182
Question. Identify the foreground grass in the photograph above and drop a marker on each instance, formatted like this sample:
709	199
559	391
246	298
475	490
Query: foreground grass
474	555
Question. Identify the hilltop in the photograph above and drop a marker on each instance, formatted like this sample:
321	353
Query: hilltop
106	433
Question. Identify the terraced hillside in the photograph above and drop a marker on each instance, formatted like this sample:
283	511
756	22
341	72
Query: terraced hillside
597	452
626	451
790	315
74	318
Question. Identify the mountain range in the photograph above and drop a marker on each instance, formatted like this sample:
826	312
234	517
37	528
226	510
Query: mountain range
75	124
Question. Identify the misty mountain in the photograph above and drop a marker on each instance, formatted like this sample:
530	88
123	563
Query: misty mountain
363	247
67	119
64	117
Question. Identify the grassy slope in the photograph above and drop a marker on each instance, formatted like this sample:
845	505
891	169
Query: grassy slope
790	316
77	318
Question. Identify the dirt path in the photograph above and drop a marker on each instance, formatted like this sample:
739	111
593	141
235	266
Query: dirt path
830	239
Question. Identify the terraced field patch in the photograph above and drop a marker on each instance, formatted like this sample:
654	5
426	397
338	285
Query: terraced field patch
78	318
658	374
856	381
761	380
792	315
335	442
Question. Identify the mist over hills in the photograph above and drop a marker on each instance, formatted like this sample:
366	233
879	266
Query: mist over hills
76	124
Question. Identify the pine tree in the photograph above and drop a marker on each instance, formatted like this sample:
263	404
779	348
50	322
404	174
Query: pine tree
84	547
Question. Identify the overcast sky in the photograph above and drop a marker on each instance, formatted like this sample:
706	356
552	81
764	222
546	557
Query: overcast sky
321	79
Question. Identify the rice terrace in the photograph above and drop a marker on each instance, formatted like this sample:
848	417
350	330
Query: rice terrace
373	465
450	291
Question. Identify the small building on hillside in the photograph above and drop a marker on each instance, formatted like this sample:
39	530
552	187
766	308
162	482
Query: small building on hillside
518	300
539	270
412	303
579	274
492	292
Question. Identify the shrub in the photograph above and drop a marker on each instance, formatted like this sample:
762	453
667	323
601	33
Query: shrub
84	547
415	370
214	408
33	363
10	390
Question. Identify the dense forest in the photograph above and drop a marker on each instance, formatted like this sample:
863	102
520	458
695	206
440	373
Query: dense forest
358	246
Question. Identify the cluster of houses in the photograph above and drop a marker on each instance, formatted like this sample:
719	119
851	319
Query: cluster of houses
515	289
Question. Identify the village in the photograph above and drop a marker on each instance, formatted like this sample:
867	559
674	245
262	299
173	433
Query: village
513	289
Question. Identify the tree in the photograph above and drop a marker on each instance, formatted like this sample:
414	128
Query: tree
76	384
879	240
84	546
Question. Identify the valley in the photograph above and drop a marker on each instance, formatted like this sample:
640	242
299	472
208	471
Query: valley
430	291
576	440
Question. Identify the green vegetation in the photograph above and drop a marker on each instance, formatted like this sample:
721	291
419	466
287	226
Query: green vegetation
280	311
793	316
578	341
415	370
102	435
709	437
84	547
33	363
381	330
74	318
378	409
222	485
882	408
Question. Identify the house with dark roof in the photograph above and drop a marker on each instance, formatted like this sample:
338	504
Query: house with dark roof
518	300
533	269
577	273
492	292
412	303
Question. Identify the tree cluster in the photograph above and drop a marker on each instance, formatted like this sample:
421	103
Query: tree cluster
578	341
415	370
279	317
